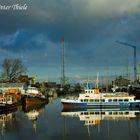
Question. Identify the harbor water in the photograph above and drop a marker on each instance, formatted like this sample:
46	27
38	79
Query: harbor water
51	122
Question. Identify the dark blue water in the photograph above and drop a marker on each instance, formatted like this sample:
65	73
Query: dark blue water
49	123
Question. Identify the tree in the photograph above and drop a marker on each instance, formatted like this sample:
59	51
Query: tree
12	69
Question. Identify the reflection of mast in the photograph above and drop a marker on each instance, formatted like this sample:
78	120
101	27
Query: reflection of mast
93	117
35	125
33	115
108	130
88	130
3	130
64	127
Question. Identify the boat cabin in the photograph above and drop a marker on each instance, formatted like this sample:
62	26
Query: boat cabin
33	91
94	91
6	99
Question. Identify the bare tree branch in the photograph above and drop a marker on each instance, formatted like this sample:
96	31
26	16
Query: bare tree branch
12	69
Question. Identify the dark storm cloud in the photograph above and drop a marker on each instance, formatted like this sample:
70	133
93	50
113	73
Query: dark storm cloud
77	20
16	42
90	29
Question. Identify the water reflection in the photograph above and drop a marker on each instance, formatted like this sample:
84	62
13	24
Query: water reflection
32	113
51	122
95	116
103	123
15	121
5	119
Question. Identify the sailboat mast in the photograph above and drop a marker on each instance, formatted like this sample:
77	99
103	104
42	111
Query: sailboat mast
63	64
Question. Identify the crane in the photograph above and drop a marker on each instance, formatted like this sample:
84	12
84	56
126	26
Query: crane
135	61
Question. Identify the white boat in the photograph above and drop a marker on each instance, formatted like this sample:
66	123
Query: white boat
33	91
33	97
92	98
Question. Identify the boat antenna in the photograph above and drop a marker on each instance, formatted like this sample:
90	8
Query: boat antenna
34	79
87	83
97	81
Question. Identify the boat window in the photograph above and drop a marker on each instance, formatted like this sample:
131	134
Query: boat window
103	113
102	100
96	113
121	113
91	100
115	113
86	96
110	100
120	100
126	113
110	113
137	113
81	100
125	100
81	113
86	92
91	113
91	92
85	100
114	100
85	113
96	100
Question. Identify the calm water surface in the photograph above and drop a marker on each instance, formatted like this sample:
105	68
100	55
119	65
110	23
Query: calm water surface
51	123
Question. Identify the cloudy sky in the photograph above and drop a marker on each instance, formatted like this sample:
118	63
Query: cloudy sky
89	27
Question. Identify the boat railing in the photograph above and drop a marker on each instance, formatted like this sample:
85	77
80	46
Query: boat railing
118	94
71	98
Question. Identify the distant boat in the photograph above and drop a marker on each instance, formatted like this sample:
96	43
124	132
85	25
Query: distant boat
7	102
34	97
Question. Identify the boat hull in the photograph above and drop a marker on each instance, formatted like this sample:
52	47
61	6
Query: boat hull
68	105
33	101
28	108
8	107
